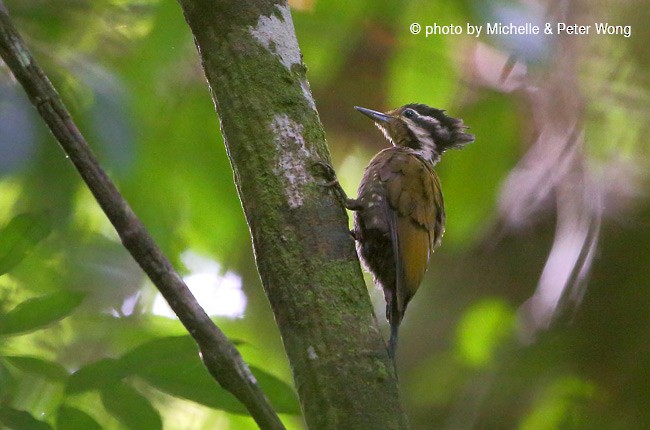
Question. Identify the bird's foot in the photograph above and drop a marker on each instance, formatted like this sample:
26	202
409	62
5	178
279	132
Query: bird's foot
333	183
328	173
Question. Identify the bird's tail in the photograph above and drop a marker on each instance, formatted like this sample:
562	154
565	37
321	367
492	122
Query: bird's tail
394	318
392	342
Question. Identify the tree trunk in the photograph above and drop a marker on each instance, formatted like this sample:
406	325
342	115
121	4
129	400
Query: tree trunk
304	252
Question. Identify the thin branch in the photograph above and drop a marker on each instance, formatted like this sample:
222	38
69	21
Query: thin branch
220	356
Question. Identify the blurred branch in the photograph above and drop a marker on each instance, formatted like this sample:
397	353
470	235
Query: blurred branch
303	249
220	356
553	174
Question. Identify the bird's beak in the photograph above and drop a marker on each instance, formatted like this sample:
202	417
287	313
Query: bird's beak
373	114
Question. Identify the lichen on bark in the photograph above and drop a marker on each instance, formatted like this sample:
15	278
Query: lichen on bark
304	252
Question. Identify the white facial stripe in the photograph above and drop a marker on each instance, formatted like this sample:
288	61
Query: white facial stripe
423	136
430	120
440	130
385	133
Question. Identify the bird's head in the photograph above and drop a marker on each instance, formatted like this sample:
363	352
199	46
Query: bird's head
426	130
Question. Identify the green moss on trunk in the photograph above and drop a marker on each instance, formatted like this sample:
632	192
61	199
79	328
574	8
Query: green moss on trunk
304	253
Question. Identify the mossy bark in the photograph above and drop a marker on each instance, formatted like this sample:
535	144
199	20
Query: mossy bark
304	253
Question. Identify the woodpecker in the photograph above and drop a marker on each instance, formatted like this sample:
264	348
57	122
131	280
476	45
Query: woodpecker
399	214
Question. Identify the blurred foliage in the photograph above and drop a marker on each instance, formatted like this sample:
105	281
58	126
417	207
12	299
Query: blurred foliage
79	344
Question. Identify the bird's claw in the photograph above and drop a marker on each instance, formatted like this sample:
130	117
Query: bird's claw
332	181
330	184
329	174
328	171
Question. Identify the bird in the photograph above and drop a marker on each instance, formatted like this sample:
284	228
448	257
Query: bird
399	214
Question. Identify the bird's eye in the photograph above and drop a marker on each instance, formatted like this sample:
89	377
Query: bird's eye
409	113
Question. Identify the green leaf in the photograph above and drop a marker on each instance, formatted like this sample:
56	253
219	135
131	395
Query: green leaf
130	407
173	365
282	395
560	405
7	382
39	312
483	329
70	418
46	369
20	420
189	379
18	237
161	351
96	375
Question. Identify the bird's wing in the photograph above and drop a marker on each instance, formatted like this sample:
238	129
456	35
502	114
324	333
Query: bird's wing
416	219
